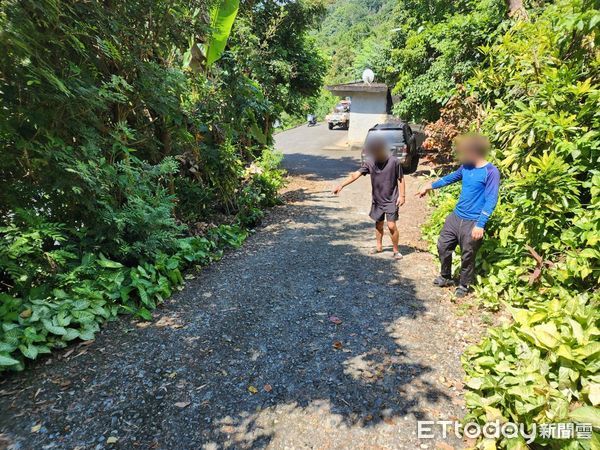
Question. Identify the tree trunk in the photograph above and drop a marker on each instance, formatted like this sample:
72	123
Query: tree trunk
516	9
267	128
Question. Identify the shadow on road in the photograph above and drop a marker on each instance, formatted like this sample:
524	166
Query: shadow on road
321	168
248	354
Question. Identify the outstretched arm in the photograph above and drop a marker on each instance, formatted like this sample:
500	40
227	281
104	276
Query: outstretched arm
349	180
444	181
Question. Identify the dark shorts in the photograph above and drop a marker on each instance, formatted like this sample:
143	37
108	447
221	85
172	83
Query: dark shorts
379	213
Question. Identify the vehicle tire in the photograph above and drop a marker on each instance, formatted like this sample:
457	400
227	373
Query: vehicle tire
330	126
414	163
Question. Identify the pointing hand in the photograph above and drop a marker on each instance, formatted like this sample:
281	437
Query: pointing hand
477	233
424	190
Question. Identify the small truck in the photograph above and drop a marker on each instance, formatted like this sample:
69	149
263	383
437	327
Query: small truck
340	117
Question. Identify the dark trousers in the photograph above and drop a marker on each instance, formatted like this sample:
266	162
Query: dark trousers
457	231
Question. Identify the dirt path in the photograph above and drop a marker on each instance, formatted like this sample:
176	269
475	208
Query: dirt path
247	355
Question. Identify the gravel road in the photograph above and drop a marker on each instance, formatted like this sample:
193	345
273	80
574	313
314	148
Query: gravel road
301	339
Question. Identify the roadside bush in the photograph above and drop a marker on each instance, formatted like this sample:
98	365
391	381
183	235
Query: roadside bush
94	290
541	256
462	113
544	130
125	159
542	368
32	251
264	179
133	217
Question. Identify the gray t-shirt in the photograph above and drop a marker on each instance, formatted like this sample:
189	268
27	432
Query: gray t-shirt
384	180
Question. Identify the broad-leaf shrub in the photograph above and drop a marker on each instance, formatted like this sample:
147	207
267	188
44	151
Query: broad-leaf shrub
116	157
96	290
545	129
541	255
541	368
263	181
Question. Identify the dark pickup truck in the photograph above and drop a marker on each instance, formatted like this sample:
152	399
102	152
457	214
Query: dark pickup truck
401	140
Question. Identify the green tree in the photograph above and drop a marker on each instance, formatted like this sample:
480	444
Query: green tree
271	45
352	37
436	46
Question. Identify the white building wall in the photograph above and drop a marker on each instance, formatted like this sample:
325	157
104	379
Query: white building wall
367	110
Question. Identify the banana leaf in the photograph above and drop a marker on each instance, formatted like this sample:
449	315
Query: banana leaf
221	18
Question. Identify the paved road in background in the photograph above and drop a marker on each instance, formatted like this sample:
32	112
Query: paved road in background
316	151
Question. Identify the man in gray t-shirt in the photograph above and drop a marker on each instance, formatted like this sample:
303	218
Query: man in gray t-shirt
388	191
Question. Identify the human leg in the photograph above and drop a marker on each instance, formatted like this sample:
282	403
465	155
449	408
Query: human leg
447	242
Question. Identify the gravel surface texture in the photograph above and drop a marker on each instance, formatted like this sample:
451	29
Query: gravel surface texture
300	339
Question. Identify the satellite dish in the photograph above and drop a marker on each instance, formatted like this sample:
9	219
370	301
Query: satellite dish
368	76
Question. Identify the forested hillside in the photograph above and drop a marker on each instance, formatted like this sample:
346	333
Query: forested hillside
421	49
353	36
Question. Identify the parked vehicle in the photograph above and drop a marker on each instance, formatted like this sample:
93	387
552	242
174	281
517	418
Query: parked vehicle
340	117
401	140
311	120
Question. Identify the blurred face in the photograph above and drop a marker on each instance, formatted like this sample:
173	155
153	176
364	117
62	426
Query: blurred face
378	150
380	153
471	149
466	155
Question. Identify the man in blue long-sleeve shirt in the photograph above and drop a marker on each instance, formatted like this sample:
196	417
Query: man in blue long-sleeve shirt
466	224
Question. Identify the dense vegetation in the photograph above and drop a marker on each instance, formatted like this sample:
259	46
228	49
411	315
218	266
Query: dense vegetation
126	156
435	48
351	34
538	92
421	49
349	38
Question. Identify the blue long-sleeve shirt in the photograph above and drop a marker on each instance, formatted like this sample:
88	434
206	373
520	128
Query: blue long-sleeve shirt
479	193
